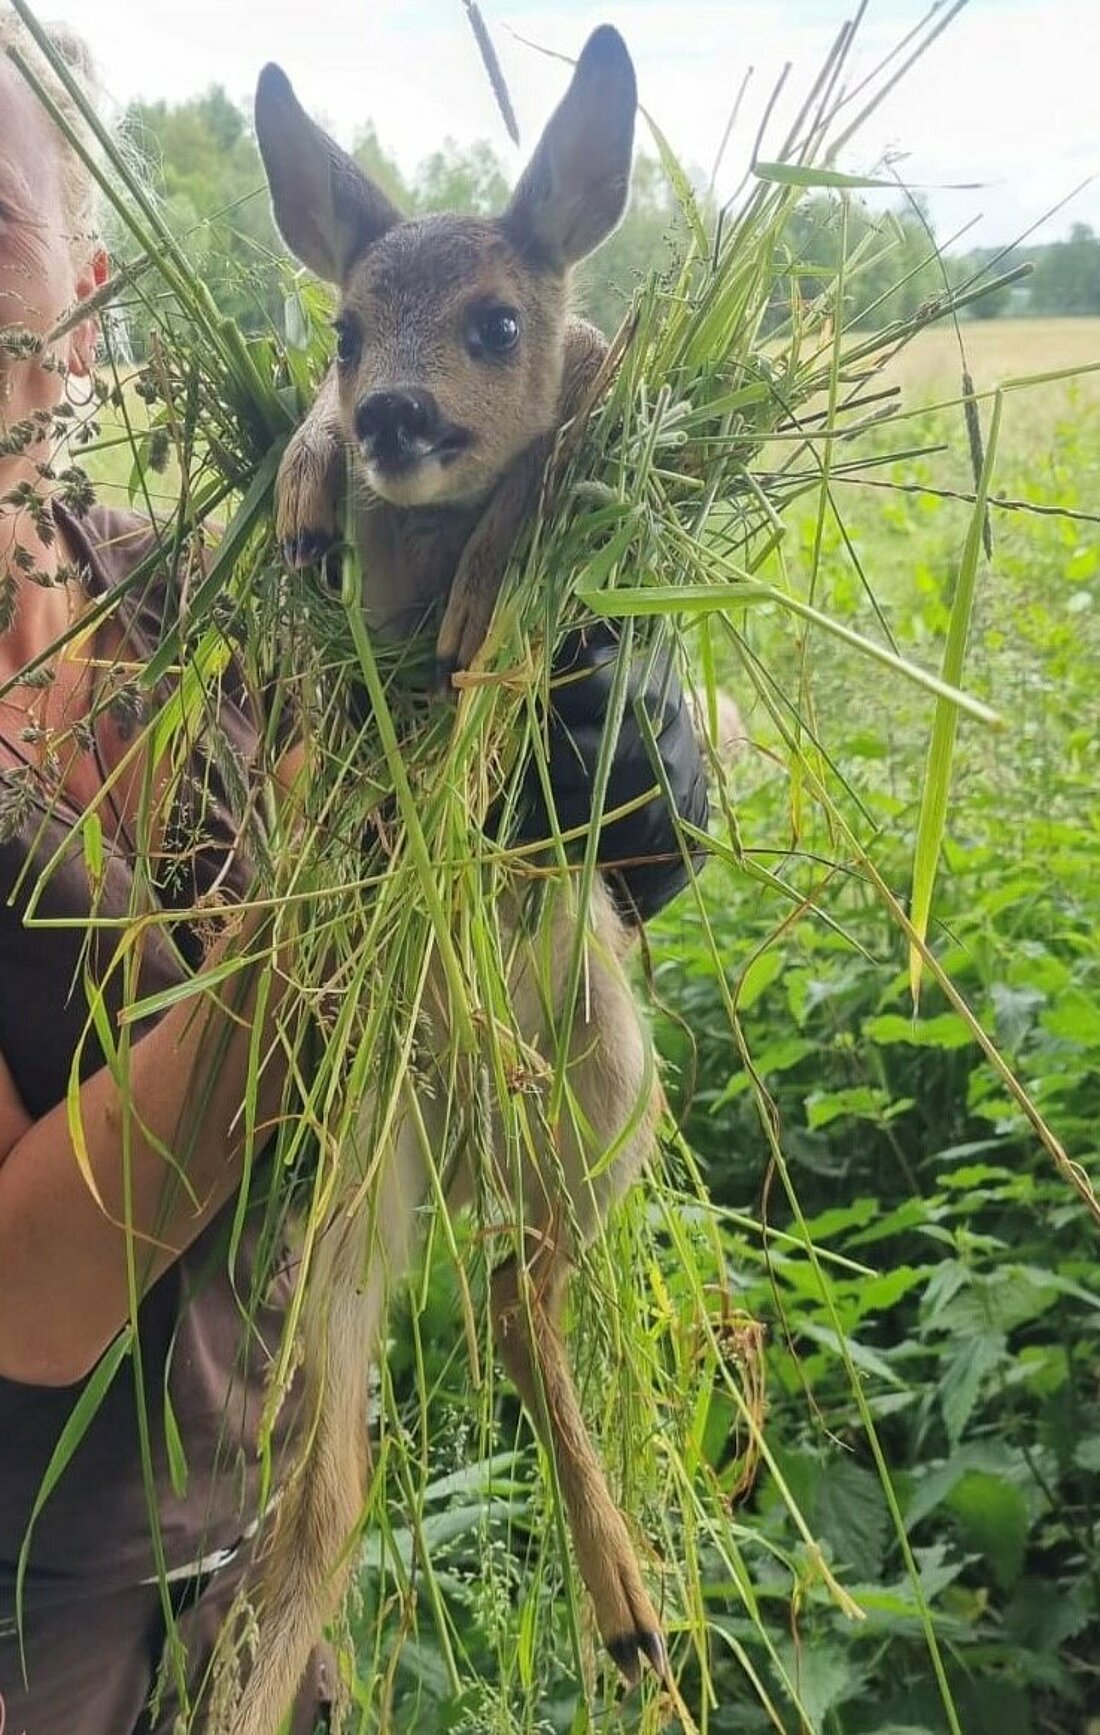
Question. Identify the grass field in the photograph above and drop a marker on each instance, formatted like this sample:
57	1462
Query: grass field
997	350
951	1319
927	371
904	1150
1000	351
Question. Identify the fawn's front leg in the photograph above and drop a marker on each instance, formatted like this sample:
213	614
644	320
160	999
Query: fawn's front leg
513	503
484	561
309	488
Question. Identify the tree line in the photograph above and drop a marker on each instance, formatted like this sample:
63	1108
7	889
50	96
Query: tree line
201	158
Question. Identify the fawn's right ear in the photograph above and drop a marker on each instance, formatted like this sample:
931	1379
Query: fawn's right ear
328	211
575	188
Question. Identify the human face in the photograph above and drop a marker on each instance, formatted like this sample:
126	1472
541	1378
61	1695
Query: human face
44	270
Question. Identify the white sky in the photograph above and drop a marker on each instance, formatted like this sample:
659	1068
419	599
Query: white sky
1006	97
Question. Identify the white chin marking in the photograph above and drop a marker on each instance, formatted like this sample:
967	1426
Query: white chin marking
422	485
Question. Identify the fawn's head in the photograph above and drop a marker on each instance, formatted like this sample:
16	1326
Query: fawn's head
450	329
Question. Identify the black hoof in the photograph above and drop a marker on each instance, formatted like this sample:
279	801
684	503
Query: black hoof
627	1653
306	549
332	566
445	669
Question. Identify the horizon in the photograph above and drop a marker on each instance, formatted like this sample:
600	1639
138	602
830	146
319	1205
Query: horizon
426	85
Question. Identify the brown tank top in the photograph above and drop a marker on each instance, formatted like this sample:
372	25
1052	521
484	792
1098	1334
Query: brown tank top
197	1357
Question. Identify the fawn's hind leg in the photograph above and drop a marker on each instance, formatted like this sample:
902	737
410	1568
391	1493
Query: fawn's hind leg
360	1256
587	1162
526	1306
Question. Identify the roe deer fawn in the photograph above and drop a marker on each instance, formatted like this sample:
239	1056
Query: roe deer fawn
457	363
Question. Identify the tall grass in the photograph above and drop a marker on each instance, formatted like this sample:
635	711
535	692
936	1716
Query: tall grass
666	510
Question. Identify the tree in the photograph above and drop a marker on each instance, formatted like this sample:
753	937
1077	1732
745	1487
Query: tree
202	160
458	178
648	239
891	267
383	171
1067	275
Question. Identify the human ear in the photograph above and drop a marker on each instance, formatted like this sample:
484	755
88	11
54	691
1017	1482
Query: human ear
84	336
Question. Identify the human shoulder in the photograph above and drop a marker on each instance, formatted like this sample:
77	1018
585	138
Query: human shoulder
111	542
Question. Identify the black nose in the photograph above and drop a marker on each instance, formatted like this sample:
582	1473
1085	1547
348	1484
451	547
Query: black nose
390	424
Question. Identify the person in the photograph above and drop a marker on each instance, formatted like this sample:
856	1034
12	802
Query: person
127	1549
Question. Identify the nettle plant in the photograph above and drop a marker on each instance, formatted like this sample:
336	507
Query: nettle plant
922	1252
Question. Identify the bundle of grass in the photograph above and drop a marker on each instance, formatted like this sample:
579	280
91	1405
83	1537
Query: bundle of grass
388	874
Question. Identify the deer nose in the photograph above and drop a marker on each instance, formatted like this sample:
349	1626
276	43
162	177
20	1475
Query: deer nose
393	424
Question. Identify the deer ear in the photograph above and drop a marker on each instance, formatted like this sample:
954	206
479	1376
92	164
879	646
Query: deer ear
574	190
328	211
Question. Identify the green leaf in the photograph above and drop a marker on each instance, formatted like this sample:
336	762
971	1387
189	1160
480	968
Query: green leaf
962	1377
800	175
760	974
854	1216
844	1504
626	601
1014	1010
173	1440
859	1353
932	1485
777	1057
1076	1017
947	1030
1087	1454
824	1676
996	1304
92	838
681	185
435	1532
941	748
881	1294
858	1101
993	1516
1043	1622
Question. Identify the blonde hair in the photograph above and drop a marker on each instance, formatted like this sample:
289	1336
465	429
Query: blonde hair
79	191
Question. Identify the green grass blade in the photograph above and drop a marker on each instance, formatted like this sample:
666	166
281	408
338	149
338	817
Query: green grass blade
937	777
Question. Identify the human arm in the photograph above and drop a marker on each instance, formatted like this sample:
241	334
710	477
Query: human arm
64	1290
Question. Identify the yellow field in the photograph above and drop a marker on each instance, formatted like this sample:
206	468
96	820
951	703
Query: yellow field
997	350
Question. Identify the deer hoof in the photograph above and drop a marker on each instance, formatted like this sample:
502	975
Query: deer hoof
445	669
461	635
629	1651
306	548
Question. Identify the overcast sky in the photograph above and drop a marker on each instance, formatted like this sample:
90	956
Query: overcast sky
1006	97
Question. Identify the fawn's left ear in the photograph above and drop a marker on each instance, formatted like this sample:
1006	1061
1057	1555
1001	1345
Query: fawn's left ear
574	190
328	211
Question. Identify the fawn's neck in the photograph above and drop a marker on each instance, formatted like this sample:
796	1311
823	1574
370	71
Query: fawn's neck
409	556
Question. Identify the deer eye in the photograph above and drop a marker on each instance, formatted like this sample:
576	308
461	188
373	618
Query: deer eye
349	342
494	330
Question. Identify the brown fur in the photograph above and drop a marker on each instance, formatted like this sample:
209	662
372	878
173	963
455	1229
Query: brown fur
446	531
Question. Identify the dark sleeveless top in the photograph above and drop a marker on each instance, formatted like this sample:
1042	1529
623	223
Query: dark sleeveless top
94	1530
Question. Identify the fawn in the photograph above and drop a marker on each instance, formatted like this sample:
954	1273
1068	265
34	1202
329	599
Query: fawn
457	363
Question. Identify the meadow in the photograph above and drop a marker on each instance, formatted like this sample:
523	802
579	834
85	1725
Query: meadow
908	1289
970	1304
897	1278
840	1352
998	350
